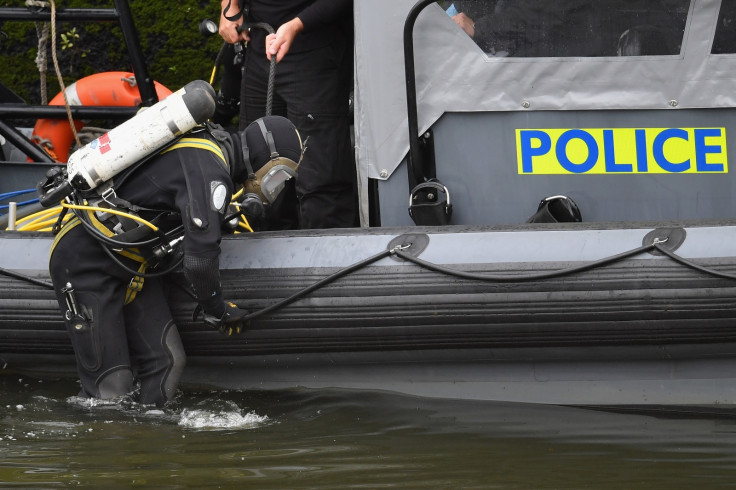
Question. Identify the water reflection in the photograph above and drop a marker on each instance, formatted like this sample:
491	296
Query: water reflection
336	439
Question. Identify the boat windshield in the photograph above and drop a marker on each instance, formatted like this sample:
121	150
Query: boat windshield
725	38
575	28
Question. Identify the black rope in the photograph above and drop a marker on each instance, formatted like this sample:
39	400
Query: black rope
271	84
693	265
29	279
319	284
521	278
272	68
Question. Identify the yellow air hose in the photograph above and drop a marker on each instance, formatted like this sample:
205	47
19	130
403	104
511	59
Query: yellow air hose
243	222
44	220
40	221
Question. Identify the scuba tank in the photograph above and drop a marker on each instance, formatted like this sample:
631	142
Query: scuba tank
142	135
148	131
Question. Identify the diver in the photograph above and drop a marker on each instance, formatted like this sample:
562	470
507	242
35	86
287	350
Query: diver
114	303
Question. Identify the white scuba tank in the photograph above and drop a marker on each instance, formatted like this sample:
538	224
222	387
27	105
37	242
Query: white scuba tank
147	132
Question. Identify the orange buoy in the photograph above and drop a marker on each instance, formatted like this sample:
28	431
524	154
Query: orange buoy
111	88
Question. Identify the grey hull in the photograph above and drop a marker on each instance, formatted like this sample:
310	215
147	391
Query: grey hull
564	315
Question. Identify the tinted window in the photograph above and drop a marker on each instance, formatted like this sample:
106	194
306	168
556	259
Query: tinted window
725	40
574	28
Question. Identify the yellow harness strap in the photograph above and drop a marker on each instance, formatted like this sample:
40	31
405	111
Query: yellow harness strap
136	283
200	143
68	226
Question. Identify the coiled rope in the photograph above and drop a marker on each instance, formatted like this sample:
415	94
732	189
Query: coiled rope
41	60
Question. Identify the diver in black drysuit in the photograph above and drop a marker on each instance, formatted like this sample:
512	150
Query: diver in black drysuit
116	344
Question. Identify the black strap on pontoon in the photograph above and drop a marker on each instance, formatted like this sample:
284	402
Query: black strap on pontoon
429	204
557	209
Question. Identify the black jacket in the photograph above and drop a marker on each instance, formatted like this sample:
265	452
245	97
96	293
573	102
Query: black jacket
324	21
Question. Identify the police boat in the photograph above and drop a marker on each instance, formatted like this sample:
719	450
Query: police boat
548	216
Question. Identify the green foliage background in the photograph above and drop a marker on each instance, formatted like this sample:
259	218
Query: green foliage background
173	47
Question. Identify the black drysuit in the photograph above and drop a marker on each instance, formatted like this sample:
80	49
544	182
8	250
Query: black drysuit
122	344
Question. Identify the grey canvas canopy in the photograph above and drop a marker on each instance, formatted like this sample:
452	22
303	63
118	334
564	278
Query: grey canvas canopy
454	74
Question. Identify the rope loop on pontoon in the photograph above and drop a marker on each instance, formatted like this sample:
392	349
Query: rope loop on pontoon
398	251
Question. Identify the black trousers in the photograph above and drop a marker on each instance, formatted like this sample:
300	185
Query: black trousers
312	90
120	345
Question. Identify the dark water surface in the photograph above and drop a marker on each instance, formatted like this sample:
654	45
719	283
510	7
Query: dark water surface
337	439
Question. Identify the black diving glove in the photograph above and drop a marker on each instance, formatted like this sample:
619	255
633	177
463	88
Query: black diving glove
232	322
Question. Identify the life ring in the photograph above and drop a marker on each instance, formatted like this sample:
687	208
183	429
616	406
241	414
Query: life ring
111	88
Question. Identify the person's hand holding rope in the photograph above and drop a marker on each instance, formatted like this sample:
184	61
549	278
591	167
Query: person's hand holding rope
278	44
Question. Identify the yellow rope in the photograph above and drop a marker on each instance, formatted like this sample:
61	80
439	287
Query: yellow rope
40	214
40	226
44	220
36	221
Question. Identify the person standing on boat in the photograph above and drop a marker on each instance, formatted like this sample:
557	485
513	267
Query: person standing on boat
120	323
313	45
